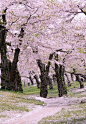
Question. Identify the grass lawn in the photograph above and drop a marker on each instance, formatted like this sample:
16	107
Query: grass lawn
16	101
73	114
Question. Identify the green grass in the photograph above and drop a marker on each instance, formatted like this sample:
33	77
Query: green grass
31	90
8	101
15	101
75	85
29	101
78	95
9	106
74	121
53	92
74	114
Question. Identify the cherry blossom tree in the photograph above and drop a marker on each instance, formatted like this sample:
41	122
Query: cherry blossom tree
39	28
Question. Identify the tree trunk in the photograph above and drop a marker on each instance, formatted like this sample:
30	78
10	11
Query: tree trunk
59	69
43	85
44	76
10	78
72	77
50	83
5	63
54	79
15	78
37	81
68	81
80	82
44	81
31	80
17	82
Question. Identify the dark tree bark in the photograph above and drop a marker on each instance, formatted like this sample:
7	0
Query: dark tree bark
84	76
44	76
31	80
10	78
21	33
5	63
37	81
15	78
76	77
80	82
59	69
68	81
44	81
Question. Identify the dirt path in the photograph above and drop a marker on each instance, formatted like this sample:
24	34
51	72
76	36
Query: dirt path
53	106
34	116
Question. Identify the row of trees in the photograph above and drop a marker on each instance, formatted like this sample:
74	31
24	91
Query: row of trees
31	30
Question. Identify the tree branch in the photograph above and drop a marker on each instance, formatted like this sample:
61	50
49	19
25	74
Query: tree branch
82	11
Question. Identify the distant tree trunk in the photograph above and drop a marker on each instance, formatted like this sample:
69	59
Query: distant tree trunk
76	77
54	79
80	82
31	80
68	81
59	69
37	81
83	77
50	83
72	77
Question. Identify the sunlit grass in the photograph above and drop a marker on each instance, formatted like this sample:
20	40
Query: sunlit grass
31	90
